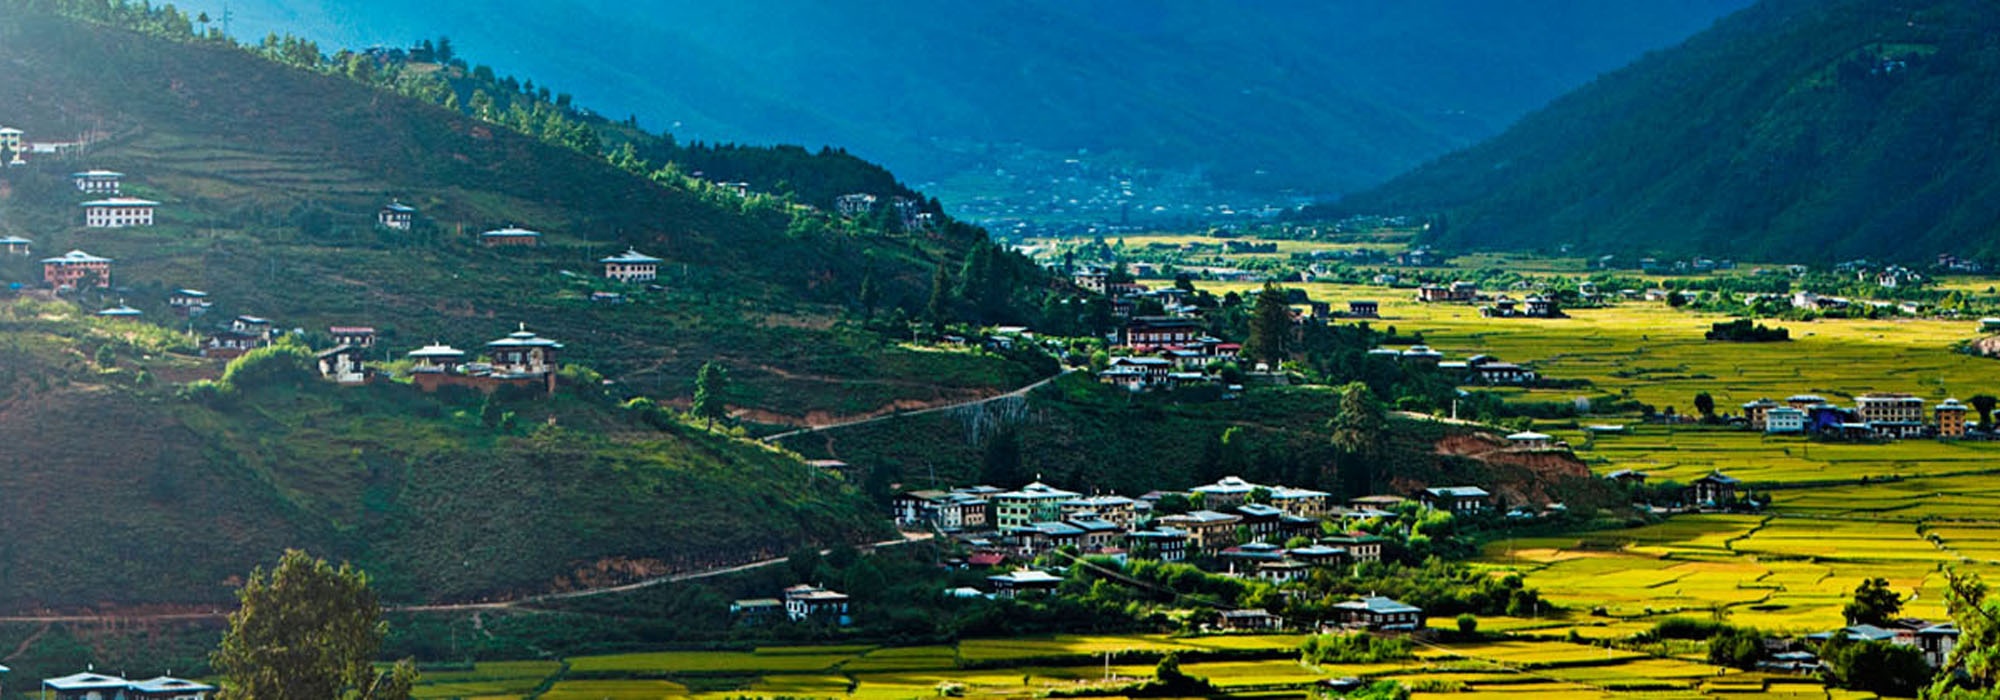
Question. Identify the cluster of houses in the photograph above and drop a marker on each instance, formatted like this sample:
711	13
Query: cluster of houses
91	685
1875	416
909	210
1934	639
1478	369
800	603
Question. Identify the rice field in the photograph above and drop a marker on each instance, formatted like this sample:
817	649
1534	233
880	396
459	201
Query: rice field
1519	668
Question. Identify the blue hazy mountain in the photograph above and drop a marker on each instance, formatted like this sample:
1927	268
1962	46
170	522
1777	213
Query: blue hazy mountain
1308	97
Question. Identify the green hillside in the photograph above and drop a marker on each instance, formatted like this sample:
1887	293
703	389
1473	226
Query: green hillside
1793	129
270	175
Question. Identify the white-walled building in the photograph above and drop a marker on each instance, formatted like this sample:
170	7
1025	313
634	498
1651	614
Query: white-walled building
118	212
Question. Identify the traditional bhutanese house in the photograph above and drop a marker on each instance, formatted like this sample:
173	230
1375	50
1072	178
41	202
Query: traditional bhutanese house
1036	539
1158	331
121	311
526	354
1379	613
1784	419
804	602
1227	492
1117	510
357	336
1263	521
14	245
1362	308
188	302
1251	620
1755	411
1165	544
1013	583
10	138
1305	503
1421	354
1716	487
1209	532
1319	555
252	325
1242	559
77	269
510	237
98	181
1950	419
1098	533
230	344
1036	502
1457	499
396	215
118	212
342	364
1531	439
436	358
1627	476
1804	401
168	688
1283	570
1376	502
1360	546
631	266
85	686
756	612
1496	372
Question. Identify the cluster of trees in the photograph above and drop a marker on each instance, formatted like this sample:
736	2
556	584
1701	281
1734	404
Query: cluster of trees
1744	330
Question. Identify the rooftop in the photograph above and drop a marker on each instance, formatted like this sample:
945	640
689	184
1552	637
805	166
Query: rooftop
74	257
121	202
1379	605
630	256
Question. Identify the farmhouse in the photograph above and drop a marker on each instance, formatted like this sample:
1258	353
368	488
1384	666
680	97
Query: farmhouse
1531	439
1036	502
1226	492
807	602
77	269
946	511
856	204
357	336
1013	583
631	266
342	364
118	212
230	344
753	612
1251	620
14	245
1208	531
1753	411
98	686
1784	419
1117	510
1716	487
1627	476
1421	354
524	353
1487	370
1362	308
1154	330
1950	419
1304	503
1456	499
396	215
1379	613
188	302
252	325
510	237
1360	546
435	358
98	181
10	139
121	311
1889	408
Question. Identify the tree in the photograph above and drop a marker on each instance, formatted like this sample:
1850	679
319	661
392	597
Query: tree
1705	404
1873	604
711	382
1467	624
444	52
1000	458
1877	667
1270	340
1358	427
106	357
1984	404
938	311
308	631
870	294
1973	670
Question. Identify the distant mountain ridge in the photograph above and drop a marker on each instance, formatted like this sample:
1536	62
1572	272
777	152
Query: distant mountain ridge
1794	130
1300	96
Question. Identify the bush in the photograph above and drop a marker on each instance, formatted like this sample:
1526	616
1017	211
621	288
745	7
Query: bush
1876	667
1688	628
1353	648
1467	624
269	366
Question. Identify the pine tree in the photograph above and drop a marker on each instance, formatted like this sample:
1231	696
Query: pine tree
938	311
711	383
1270	338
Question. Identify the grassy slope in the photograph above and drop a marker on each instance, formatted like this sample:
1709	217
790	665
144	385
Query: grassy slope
1749	140
234	145
146	498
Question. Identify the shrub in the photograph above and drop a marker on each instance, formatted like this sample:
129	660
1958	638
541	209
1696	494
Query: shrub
269	366
1467	624
1353	648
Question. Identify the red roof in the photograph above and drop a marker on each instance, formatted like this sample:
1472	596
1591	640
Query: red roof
986	559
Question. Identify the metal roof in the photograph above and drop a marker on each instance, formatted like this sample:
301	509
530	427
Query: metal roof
630	256
74	257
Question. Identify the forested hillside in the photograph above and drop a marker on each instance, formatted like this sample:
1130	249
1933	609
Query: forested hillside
1795	129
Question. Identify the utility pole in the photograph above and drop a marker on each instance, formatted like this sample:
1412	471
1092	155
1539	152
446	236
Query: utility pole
226	14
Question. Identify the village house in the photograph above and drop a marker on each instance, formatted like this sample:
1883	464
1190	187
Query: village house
1420	355
357	336
75	270
98	181
1714	488
807	602
1304	503
342	364
1531	439
1094	534
1360	546
1889	408
1251	620
1263	522
1283	571
1158	331
1784	419
523	353
852	205
121	311
1038	538
98	686
1164	544
946	511
1227	492
396	215
510	237
1754	411
1117	510
1318	555
1629	477
118	212
1379	613
1036	502
1209	532
1361	308
1951	419
756	612
189	303
1488	370
1456	499
1014	583
14	245
436	358
229	344
631	266
10	139
252	325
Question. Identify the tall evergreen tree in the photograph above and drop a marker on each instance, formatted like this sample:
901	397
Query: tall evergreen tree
711	383
1271	324
938	311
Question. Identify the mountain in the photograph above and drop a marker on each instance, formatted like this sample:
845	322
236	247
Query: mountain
1796	129
142	474
1299	97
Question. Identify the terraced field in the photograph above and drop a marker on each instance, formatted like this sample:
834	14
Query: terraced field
1028	667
